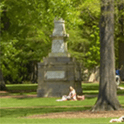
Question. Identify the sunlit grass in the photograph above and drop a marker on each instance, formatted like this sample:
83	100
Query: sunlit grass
38	102
56	121
15	110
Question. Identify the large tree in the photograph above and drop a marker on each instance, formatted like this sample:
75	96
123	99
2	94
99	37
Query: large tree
107	98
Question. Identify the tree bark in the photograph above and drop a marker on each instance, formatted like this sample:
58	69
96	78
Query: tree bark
2	83
107	98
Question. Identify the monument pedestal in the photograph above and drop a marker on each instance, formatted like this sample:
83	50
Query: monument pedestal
58	71
56	75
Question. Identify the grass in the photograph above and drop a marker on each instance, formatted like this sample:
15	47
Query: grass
23	112
20	89
56	121
92	88
30	102
23	87
15	110
30	89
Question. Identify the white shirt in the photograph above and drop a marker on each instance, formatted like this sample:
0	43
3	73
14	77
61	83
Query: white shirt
72	94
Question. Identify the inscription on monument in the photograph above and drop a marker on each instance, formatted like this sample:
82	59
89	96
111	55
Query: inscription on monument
55	74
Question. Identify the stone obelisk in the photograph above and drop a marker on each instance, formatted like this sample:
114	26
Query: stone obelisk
59	46
58	71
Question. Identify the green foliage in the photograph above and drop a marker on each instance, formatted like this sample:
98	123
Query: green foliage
119	28
26	26
93	55
84	42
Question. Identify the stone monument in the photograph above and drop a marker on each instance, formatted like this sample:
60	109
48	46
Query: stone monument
58	71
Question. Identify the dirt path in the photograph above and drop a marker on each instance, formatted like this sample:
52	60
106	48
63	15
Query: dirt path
81	114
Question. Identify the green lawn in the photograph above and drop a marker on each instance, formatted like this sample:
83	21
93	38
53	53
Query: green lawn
92	88
15	110
26	89
56	121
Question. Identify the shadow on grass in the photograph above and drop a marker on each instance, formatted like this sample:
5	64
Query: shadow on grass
21	112
91	97
26	89
21	88
90	87
93	88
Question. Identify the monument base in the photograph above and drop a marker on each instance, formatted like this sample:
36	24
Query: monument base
56	75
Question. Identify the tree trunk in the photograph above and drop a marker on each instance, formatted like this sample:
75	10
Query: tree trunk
2	83
34	72
107	98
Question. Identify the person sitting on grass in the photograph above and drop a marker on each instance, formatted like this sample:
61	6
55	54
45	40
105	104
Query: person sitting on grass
72	96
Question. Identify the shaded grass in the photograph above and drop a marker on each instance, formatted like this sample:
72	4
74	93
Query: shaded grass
90	88
30	89
20	89
93	88
21	86
23	112
18	93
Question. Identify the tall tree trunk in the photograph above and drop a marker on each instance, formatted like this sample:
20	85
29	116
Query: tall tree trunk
2	83
107	98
